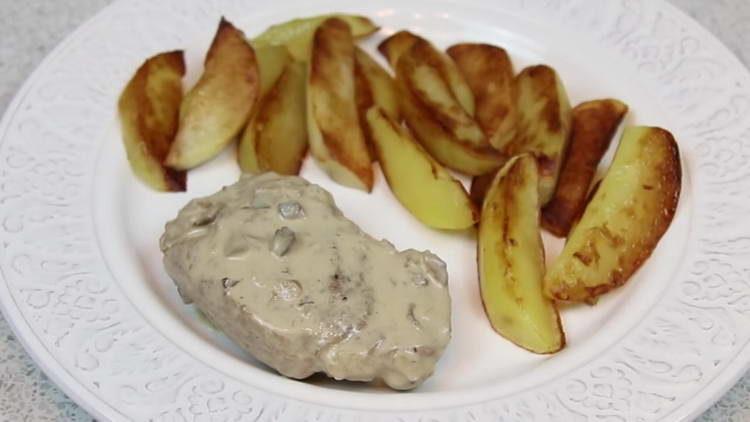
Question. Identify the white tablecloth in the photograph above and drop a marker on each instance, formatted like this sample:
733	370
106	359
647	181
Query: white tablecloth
30	29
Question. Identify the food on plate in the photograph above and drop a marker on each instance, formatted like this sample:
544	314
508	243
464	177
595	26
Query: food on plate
337	141
297	34
373	86
273	263
594	125
459	156
149	109
397	44
543	126
218	106
419	70
628	214
511	260
419	182
276	137
272	59
479	187
489	73
380	84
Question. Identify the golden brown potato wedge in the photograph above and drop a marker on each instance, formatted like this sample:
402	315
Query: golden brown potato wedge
419	182
335	135
272	59
276	137
218	106
149	109
543	127
393	47
419	69
594	125
511	260
297	34
628	214
465	158
489	73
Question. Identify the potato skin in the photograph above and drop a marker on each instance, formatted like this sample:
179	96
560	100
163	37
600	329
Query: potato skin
628	214
594	125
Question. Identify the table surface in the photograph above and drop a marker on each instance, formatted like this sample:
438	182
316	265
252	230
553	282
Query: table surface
30	30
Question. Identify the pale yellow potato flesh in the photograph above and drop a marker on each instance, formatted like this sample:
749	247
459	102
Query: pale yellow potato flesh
393	47
489	73
337	141
149	108
419	68
379	82
624	220
543	126
297	34
276	137
272	60
218	106
465	158
510	257
421	184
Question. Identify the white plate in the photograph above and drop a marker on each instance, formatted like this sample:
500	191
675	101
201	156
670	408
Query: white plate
82	284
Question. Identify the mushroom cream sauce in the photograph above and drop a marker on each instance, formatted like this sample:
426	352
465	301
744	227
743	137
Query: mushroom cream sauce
275	265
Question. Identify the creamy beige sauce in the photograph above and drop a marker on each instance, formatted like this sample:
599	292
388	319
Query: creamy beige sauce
273	263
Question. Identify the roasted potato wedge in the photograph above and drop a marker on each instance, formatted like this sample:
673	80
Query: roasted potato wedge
218	106
419	68
465	158
393	47
511	260
419	182
489	73
336	139
297	34
628	214
594	125
543	127
272	60
149	110
276	137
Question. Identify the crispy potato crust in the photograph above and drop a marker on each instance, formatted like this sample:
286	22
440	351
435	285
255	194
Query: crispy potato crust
625	219
594	125
341	148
